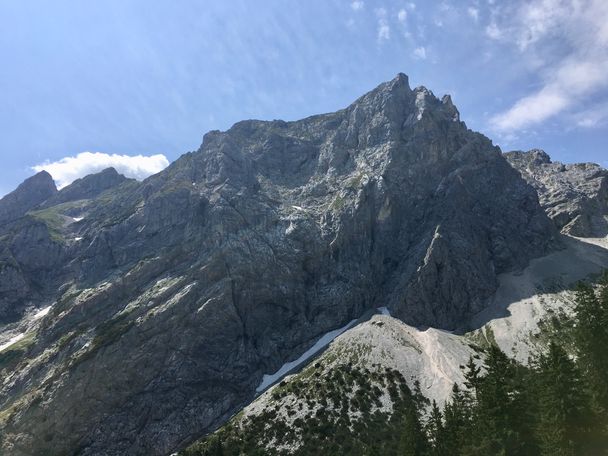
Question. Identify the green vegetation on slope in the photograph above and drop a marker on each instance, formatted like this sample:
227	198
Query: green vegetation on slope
11	355
340	411
557	406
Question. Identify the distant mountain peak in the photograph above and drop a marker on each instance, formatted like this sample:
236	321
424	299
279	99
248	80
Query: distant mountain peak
32	192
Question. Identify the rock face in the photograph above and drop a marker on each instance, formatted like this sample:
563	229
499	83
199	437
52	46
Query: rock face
294	413
88	187
38	228
575	196
29	194
173	296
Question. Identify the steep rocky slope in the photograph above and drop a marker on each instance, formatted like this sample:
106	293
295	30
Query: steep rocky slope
171	298
575	196
28	195
356	387
39	241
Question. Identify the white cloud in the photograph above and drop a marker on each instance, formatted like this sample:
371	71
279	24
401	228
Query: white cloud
568	80
540	17
357	5
493	31
402	15
420	53
593	117
587	122
532	109
68	169
411	6
384	30
474	13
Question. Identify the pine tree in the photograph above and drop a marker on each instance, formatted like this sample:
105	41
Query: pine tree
563	408
456	432
472	376
591	340
500	417
413	440
436	432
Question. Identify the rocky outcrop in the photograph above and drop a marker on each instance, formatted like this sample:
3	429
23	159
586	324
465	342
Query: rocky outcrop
575	196
28	195
40	240
87	187
178	293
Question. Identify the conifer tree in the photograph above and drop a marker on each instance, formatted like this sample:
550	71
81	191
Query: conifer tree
500	419
413	440
591	342
563	408
457	427
436	432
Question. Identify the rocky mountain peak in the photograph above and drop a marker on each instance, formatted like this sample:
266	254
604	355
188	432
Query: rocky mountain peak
88	187
33	191
575	196
239	256
531	159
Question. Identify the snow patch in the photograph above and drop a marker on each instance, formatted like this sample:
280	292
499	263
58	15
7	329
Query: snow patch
41	313
12	341
290	229
77	219
323	342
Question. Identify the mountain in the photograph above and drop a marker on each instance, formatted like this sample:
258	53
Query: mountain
38	231
87	187
141	317
29	194
575	196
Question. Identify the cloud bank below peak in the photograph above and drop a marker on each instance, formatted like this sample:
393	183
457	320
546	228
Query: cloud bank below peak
68	169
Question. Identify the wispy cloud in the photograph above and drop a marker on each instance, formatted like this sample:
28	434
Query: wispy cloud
384	29
68	169
402	15
571	78
357	5
473	13
420	53
493	31
596	116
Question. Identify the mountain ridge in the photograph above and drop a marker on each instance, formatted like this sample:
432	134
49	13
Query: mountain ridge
180	292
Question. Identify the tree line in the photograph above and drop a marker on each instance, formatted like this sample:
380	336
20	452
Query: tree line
558	405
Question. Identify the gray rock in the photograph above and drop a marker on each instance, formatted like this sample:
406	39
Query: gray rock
28	195
87	187
575	196
183	290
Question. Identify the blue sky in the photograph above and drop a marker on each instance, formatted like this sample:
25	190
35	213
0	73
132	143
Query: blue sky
149	78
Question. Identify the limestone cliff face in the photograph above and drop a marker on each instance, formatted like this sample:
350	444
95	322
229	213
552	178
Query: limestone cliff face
37	231
575	196
29	194
173	296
